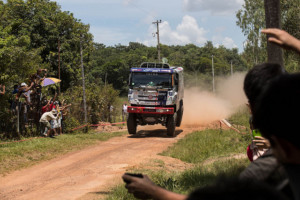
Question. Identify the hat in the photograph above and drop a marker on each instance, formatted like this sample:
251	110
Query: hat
23	84
55	102
54	111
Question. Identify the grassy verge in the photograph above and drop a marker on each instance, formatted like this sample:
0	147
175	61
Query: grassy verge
187	181
208	144
19	155
241	119
197	147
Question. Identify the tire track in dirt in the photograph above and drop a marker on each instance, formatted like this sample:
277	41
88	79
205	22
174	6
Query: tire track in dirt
93	169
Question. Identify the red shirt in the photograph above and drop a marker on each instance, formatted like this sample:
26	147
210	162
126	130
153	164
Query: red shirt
48	108
52	106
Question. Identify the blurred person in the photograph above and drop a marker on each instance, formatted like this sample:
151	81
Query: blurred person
2	89
276	116
124	112
255	81
37	78
23	89
283	39
44	121
62	112
13	99
48	105
236	189
16	89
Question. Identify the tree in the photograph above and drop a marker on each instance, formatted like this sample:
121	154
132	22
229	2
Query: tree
251	20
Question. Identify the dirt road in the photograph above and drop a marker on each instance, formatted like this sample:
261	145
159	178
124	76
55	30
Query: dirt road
79	175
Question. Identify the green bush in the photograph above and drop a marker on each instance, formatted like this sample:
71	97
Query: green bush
70	123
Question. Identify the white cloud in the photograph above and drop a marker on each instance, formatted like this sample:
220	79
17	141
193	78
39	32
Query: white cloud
186	32
229	43
216	7
225	41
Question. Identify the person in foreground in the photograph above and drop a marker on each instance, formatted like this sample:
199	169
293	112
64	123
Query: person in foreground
277	117
283	39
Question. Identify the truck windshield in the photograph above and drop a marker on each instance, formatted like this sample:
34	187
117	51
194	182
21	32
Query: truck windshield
150	79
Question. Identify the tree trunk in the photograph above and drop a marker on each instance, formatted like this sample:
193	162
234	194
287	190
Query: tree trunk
272	10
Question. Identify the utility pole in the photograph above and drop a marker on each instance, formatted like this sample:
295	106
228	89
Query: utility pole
272	14
83	84
213	72
231	69
59	63
157	33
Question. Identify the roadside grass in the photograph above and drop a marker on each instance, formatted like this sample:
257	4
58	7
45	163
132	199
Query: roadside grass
206	150
201	145
18	155
188	180
241	118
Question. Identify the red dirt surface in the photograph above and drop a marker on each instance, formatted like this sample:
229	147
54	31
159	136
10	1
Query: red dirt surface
88	173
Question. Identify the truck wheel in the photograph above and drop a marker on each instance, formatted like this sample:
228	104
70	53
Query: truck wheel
179	115
131	124
171	125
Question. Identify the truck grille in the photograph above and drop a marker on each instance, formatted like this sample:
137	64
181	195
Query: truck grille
152	98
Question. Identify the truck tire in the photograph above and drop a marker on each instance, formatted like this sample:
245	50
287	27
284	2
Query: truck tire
179	115
171	125
131	124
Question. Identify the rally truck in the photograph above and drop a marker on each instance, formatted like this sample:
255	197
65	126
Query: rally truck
155	96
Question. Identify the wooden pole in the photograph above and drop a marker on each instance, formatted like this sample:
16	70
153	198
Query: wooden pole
83	84
272	14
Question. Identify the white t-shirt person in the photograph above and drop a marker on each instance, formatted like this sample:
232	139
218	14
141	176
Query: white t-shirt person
124	108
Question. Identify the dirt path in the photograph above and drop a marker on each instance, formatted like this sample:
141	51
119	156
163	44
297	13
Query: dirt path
92	170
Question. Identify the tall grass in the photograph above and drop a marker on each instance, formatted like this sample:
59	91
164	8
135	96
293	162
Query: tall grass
185	182
201	145
196	148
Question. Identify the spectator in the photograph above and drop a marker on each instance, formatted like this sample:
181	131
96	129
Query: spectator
236	189
37	78
48	105
45	107
277	117
23	90
44	121
283	39
124	112
62	112
13	100
16	89
255	81
2	89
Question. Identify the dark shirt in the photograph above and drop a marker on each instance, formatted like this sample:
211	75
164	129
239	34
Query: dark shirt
293	172
15	91
267	169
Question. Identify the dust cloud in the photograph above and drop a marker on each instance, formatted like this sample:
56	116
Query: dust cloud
202	107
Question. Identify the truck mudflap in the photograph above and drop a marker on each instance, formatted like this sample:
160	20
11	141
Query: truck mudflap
150	110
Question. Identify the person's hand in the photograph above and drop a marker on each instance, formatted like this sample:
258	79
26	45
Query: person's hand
282	38
141	188
261	142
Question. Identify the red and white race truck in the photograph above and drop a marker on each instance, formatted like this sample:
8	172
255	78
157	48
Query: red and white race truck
155	95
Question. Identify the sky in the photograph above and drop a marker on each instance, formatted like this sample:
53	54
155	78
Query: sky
114	22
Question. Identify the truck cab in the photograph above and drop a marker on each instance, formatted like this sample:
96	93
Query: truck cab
155	95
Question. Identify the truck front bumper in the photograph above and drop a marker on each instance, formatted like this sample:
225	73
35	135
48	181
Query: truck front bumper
150	110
